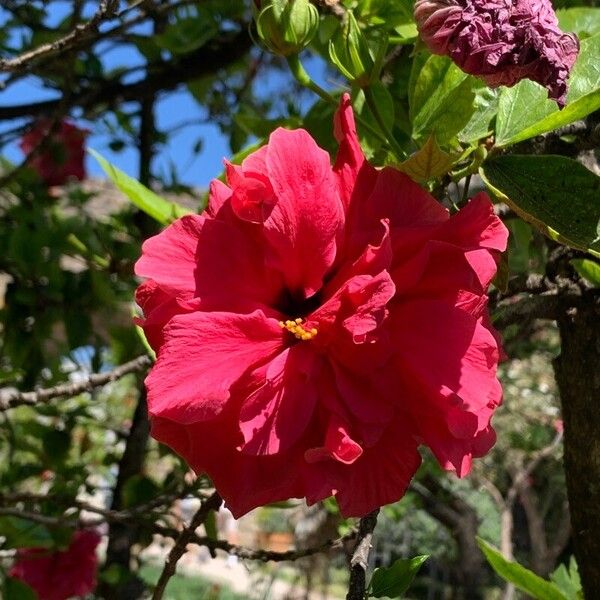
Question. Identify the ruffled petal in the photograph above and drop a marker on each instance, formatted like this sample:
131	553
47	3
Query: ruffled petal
381	475
306	222
476	226
159	308
404	202
170	257
245	481
354	174
338	444
252	198
219	194
275	416
203	355
446	361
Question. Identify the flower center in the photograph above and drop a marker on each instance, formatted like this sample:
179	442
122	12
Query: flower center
298	329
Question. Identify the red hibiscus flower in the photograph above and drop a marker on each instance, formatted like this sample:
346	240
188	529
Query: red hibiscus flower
316	324
62	157
58	575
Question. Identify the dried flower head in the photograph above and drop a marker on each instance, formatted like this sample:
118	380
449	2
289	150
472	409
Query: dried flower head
501	41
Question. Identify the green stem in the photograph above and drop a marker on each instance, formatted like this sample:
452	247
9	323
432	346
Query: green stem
385	130
303	78
479	155
465	195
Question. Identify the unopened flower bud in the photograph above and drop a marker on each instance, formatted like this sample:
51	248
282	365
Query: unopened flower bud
501	41
286	27
350	53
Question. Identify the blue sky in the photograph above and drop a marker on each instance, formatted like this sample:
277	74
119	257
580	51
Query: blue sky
172	110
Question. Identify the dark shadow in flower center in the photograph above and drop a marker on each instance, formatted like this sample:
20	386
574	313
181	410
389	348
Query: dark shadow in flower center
294	305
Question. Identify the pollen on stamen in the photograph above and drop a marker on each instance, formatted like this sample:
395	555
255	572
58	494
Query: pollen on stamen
296	327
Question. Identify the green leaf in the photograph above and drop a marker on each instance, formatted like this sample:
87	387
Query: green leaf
15	589
428	162
393	581
524	110
188	34
588	269
441	98
158	208
137	490
22	533
583	21
486	107
557	195
567	580
56	444
522	578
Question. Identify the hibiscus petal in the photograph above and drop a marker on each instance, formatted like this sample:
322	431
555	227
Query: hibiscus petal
369	297
445	271
218	195
203	355
338	444
245	481
447	366
304	225
159	308
275	416
355	175
464	352
252	198
381	475
476	226
404	202
170	257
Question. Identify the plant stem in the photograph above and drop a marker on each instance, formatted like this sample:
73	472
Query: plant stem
304	79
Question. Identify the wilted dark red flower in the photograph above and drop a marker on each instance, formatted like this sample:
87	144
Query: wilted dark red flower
62	157
316	324
501	41
59	575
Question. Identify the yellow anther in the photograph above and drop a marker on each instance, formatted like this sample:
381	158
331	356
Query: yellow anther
295	327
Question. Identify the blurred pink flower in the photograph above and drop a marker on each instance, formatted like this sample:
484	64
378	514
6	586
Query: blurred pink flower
62	157
60	574
501	41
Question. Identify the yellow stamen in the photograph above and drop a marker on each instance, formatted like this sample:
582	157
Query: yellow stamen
298	329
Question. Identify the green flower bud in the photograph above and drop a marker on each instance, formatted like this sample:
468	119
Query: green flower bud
350	53
286	27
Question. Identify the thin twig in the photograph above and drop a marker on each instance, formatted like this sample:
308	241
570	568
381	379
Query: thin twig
12	65
334	6
135	514
185	537
521	476
10	398
360	557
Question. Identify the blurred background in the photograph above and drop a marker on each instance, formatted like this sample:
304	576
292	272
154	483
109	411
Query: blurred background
166	90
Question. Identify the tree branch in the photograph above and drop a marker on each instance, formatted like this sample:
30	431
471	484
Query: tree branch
360	557
186	536
23	62
10	398
161	76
